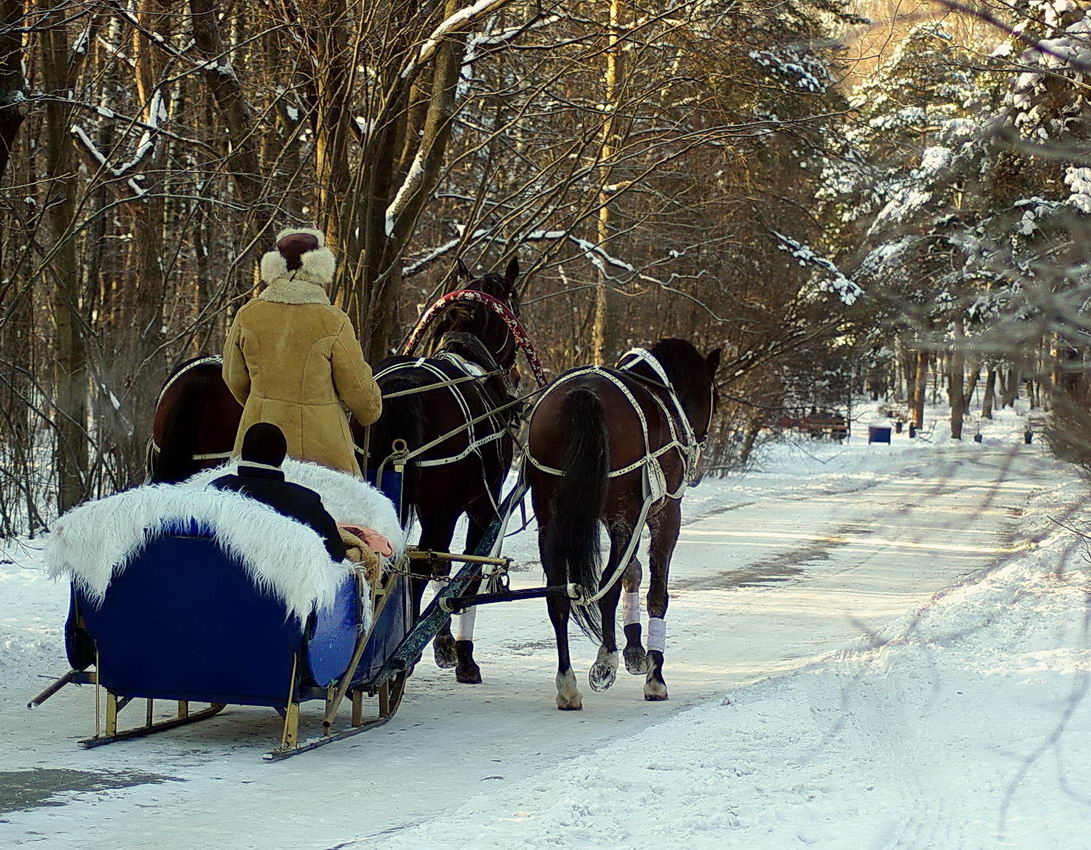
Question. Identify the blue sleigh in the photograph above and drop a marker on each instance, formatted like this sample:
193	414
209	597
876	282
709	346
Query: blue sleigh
187	614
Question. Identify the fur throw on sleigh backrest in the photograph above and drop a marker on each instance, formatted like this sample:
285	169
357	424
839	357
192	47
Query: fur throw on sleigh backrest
348	500
98	540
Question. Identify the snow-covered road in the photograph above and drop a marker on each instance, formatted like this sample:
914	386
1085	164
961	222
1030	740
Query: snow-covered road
776	572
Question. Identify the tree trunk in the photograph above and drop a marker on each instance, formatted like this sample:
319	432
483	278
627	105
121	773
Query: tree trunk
239	126
70	353
971	387
147	367
1010	388
12	83
956	377
393	225
606	154
990	395
920	378
330	80
753	427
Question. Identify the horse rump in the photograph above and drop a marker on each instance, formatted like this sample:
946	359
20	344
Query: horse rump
178	442
570	544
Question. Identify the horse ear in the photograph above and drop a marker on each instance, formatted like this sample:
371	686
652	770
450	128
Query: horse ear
511	273
713	361
463	270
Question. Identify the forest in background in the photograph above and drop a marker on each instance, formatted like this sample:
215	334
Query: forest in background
844	198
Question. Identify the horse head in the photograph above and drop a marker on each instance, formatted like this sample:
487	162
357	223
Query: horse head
692	376
481	321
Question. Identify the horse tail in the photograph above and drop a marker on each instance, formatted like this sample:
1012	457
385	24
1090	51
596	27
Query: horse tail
173	462
571	540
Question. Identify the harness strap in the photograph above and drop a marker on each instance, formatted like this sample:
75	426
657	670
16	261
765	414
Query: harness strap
200	361
649	453
463	365
213	456
630	548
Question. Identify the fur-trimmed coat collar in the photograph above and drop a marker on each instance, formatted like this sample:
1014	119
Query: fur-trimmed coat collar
286	290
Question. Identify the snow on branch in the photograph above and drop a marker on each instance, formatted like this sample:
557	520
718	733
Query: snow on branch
831	280
430	257
410	184
807	71
460	21
102	161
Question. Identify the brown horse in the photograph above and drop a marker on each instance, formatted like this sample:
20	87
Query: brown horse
195	421
469	373
617	446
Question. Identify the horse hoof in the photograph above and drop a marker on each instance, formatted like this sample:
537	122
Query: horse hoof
636	660
444	649
655	692
601	676
468	674
466	670
568	695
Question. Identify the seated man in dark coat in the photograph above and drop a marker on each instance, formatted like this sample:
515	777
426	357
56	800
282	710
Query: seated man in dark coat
260	477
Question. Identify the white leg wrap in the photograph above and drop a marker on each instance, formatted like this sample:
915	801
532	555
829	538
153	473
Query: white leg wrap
657	634
630	607
465	629
436	586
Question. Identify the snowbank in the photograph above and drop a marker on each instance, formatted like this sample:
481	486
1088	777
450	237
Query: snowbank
964	724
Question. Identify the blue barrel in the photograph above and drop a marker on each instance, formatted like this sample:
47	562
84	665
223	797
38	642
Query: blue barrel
878	434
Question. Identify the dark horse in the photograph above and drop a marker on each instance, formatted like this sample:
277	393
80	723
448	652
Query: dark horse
617	446
196	418
468	373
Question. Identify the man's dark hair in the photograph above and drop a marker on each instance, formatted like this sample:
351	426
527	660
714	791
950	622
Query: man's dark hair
264	443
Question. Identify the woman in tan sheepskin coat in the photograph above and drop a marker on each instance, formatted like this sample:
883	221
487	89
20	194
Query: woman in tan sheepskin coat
293	359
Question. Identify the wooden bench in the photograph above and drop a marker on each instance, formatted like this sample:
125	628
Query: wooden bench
832	426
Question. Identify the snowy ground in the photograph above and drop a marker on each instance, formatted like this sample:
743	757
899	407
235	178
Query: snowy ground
868	646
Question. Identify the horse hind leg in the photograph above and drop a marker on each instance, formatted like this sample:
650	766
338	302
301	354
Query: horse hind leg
435	536
664	530
569	697
604	671
560	609
636	658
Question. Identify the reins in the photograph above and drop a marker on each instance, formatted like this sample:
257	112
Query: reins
439	385
403	456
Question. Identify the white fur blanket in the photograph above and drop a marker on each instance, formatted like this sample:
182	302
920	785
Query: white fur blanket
348	499
97	540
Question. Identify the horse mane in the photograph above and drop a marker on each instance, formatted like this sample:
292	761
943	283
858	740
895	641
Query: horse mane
684	364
